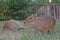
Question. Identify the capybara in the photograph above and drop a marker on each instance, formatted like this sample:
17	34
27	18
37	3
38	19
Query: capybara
42	23
11	24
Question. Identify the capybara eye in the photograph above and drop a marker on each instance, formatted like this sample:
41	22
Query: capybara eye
30	18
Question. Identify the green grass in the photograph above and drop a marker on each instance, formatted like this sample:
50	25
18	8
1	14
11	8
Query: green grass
29	33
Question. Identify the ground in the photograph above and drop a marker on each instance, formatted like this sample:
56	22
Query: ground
29	33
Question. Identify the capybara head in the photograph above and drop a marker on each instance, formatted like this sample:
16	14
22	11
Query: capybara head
30	20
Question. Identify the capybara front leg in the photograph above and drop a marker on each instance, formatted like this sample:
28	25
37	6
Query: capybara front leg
54	29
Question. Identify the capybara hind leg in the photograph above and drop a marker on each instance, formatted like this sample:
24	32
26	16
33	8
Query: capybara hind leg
48	31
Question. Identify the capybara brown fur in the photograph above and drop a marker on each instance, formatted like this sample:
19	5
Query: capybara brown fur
42	23
12	24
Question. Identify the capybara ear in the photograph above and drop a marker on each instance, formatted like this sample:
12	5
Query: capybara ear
35	15
32	14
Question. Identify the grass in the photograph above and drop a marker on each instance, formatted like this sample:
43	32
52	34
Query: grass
29	33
